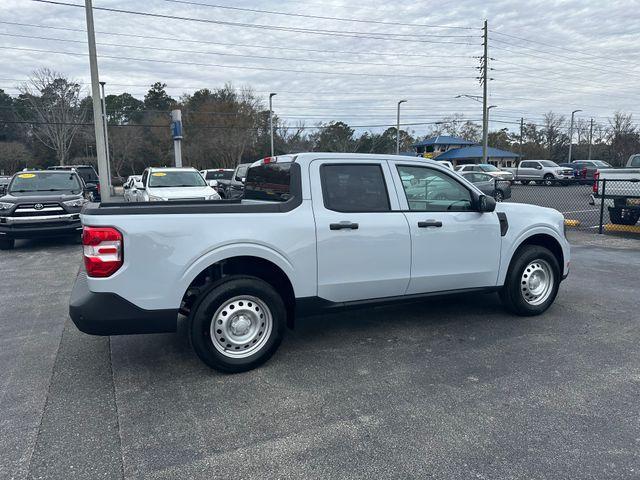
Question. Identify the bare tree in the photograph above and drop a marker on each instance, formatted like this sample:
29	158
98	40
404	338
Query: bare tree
552	130
623	136
54	109
13	157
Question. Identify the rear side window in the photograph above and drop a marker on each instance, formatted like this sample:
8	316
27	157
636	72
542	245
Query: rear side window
354	188
269	182
635	162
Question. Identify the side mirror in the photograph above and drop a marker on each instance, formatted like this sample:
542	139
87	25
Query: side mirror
538	167
243	179
213	183
486	203
138	185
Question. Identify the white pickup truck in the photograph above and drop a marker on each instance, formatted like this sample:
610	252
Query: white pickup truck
314	231
620	188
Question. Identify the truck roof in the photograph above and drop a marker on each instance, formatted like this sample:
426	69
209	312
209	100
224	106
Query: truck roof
307	157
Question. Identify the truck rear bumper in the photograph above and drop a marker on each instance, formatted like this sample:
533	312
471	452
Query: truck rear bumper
104	313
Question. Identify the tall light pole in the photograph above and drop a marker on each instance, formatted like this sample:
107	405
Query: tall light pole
103	168
571	133
271	95
398	128
590	138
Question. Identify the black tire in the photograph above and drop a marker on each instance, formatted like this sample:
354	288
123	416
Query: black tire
7	243
525	182
498	195
548	180
513	293
623	216
209	305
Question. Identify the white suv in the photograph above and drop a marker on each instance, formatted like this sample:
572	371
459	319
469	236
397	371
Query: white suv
171	184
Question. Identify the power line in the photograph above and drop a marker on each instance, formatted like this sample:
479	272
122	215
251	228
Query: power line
264	57
564	48
321	17
241	67
310	31
208	42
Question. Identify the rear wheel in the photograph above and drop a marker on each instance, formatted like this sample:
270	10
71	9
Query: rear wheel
238	324
498	195
524	182
532	281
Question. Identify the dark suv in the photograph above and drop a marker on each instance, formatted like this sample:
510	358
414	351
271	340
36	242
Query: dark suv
88	175
41	203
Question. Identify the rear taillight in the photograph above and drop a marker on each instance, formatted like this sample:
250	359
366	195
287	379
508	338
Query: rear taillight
103	252
596	177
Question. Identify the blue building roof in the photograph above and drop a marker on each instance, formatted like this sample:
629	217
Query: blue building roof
443	140
475	152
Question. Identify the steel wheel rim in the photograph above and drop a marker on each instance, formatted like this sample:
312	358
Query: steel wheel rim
536	282
241	326
499	196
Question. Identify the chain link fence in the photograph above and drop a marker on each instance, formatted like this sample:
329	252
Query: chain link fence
582	204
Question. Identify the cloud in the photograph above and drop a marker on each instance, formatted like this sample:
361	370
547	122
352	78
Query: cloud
588	57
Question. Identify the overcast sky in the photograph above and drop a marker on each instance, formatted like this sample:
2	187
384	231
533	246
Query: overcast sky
571	54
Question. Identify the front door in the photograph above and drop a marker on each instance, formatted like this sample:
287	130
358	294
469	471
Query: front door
453	246
363	241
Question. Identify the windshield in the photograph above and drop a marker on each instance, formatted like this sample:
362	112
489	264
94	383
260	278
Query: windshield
45	182
600	163
489	168
219	175
176	178
548	163
241	171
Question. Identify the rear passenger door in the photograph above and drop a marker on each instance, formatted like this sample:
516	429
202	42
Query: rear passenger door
363	240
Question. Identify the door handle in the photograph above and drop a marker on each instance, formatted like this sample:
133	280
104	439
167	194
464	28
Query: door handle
343	225
430	223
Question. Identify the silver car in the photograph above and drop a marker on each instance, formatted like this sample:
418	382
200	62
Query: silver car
498	189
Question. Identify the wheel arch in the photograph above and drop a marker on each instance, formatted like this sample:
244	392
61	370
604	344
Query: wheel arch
541	239
213	273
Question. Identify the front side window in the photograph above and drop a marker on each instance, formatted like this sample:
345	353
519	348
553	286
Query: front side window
635	161
354	188
548	163
430	190
176	178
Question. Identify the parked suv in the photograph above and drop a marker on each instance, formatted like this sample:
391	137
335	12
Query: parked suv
219	179
88	175
171	184
41	203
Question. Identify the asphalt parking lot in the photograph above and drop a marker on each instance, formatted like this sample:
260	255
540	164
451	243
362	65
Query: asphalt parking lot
449	388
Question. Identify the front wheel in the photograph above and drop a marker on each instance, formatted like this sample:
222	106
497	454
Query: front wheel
498	195
7	243
548	179
532	281
238	324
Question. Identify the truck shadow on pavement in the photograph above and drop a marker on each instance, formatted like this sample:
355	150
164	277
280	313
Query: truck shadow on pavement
325	341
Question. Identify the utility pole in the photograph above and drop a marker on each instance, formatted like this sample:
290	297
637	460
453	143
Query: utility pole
521	134
271	95
176	131
590	137
571	132
106	131
485	81
398	128
103	167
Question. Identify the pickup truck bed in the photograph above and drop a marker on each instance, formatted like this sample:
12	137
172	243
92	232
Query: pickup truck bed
314	231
